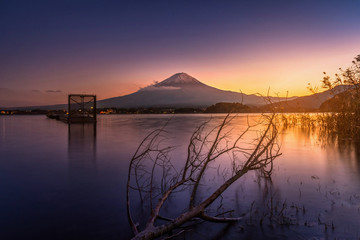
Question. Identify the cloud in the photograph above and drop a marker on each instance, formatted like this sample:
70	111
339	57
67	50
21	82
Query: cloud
53	91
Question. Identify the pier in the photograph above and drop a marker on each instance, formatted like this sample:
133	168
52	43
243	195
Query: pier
81	109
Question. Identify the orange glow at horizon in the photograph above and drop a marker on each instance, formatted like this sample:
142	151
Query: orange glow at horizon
284	68
281	74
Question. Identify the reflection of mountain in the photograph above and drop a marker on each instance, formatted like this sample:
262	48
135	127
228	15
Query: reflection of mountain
180	90
82	151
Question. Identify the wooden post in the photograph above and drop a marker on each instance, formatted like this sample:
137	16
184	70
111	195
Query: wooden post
69	109
95	115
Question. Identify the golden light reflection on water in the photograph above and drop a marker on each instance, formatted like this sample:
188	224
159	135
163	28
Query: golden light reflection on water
320	145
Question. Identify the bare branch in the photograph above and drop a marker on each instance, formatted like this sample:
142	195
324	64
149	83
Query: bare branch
151	161
219	219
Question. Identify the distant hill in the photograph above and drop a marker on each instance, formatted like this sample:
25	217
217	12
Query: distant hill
341	102
306	103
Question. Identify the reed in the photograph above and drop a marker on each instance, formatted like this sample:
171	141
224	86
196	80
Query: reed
342	119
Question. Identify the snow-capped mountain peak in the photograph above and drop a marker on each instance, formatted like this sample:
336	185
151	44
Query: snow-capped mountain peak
178	80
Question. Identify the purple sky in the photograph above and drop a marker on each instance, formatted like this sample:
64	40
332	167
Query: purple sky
49	49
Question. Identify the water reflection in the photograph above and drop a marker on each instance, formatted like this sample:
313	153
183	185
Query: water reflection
346	148
83	181
82	151
328	145
3	129
350	151
70	183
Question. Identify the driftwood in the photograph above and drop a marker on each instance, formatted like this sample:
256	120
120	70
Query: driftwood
151	161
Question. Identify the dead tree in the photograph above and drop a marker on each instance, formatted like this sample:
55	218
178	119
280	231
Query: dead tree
153	176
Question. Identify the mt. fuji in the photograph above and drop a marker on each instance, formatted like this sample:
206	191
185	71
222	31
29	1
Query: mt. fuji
179	90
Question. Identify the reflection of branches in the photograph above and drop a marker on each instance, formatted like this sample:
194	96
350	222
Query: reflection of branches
153	176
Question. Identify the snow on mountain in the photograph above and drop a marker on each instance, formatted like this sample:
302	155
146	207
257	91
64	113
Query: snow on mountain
179	79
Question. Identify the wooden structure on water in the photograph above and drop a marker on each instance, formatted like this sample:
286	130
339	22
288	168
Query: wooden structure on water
81	109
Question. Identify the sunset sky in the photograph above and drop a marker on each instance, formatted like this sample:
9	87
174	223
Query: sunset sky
49	49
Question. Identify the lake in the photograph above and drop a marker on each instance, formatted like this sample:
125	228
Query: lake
61	182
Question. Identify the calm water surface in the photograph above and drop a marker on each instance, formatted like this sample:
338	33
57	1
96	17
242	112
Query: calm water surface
58	182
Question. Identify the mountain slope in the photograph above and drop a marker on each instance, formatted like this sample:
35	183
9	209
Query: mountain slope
345	101
306	103
179	90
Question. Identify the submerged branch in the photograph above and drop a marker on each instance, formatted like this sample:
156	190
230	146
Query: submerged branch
203	150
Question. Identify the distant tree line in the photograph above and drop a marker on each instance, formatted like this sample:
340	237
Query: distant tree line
23	112
229	107
216	108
